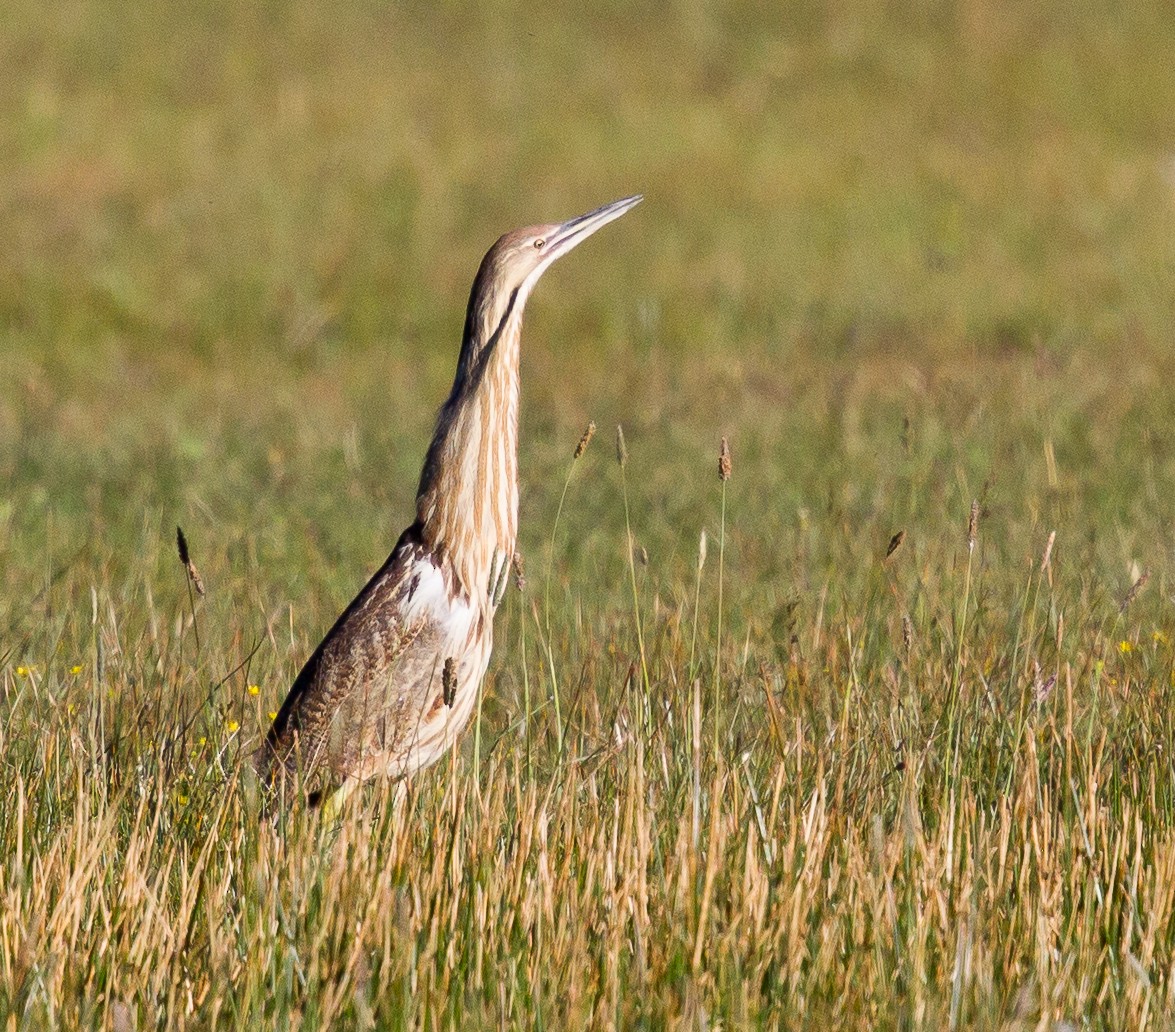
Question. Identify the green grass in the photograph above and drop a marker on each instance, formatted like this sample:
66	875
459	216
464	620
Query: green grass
904	256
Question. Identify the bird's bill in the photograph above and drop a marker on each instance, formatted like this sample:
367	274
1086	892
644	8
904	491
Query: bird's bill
575	231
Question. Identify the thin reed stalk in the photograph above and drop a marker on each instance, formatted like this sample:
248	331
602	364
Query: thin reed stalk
724	471
622	460
960	637
584	440
693	642
193	580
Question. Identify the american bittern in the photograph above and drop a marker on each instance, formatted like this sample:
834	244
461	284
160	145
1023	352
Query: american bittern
395	680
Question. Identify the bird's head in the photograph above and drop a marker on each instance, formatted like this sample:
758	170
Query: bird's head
514	264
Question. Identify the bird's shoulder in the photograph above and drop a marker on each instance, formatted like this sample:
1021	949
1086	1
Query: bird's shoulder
411	586
412	599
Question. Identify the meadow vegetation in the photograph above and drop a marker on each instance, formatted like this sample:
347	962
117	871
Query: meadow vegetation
907	257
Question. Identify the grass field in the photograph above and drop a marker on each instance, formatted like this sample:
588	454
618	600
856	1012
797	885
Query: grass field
907	257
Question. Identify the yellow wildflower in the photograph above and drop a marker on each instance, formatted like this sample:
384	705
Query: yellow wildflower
22	671
254	689
183	800
1125	647
76	668
273	714
231	726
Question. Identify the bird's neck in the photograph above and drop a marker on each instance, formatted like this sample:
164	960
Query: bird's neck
467	505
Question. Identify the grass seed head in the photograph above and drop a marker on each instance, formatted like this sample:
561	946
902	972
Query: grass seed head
181	543
724	460
621	447
702	550
973	525
585	439
519	572
1048	552
1135	588
895	543
449	682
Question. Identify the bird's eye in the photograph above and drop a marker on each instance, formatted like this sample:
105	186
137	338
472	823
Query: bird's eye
539	244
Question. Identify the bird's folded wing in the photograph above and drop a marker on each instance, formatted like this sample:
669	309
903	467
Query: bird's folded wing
357	687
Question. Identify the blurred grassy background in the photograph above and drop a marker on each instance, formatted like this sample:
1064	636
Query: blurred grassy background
905	255
258	222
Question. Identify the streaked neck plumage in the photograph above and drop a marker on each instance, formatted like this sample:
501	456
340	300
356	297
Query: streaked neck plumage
467	504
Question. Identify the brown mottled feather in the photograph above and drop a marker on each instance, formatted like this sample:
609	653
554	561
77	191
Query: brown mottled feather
333	695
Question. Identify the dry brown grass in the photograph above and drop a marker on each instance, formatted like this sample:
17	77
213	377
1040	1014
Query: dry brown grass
840	859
